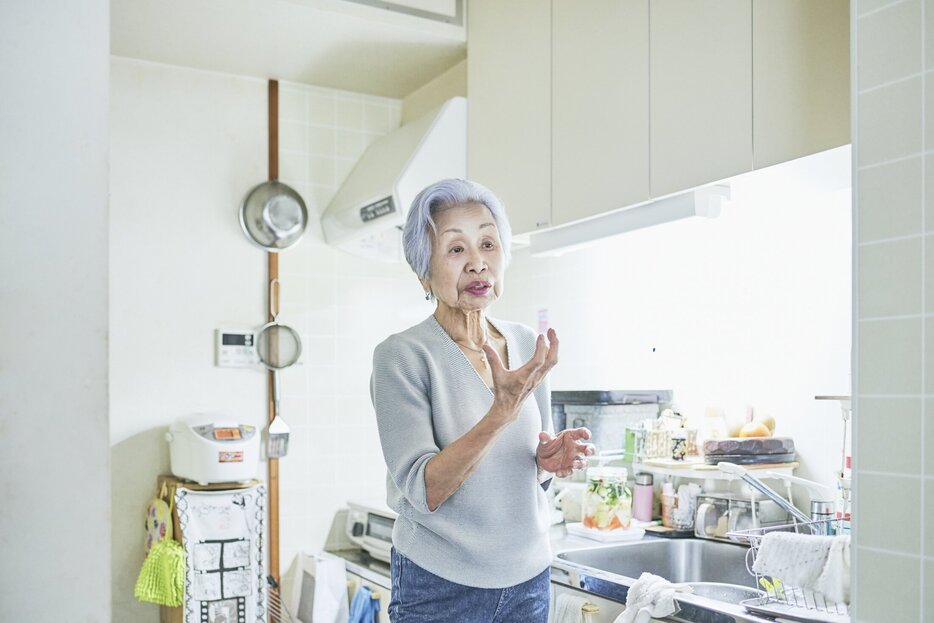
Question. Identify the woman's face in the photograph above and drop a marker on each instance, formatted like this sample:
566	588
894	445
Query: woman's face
466	270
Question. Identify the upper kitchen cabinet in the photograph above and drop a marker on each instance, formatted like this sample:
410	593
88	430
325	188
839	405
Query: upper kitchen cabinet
509	110
801	85
600	106
701	92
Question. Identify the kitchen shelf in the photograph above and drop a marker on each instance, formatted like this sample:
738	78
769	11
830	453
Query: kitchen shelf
702	471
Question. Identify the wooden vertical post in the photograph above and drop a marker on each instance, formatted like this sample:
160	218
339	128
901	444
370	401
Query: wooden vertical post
272	264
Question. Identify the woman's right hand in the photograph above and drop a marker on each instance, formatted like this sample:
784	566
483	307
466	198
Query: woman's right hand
512	387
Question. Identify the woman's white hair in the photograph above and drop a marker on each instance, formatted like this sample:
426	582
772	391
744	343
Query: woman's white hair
420	223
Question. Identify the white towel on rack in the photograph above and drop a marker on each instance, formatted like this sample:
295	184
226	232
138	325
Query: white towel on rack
820	563
651	596
834	580
568	608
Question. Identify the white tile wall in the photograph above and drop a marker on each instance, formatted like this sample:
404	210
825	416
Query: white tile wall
894	277
342	306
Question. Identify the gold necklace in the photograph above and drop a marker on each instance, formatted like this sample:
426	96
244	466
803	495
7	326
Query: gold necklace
483	361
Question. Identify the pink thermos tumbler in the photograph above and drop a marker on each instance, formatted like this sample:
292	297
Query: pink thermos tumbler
642	498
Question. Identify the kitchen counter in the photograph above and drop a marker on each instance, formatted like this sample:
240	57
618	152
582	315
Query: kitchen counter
694	608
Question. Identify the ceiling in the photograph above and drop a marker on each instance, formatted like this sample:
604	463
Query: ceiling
367	46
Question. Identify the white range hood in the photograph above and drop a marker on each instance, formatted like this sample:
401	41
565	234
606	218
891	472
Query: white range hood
366	215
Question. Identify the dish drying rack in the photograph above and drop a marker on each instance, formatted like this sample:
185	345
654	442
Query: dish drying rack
796	603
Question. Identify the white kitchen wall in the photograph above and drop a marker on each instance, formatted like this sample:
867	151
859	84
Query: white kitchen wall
750	308
893	47
186	146
54	467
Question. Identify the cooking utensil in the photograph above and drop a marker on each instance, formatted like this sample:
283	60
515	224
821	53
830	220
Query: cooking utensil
273	216
277	434
278	346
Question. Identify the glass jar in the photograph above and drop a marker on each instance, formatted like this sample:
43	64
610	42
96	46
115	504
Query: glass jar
607	501
679	444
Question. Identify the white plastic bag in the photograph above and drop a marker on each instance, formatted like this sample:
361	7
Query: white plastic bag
319	593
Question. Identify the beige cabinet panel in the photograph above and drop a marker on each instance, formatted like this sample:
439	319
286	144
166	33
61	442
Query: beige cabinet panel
801	78
509	106
701	92
600	106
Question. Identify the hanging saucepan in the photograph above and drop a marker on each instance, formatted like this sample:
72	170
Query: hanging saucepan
273	216
278	346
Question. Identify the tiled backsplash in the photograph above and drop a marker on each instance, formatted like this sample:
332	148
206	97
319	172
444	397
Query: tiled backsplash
342	306
894	332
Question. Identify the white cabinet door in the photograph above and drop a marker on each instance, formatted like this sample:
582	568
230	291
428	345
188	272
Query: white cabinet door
600	106
509	109
701	92
801	78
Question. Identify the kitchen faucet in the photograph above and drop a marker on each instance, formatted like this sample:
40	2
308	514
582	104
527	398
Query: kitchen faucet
819	508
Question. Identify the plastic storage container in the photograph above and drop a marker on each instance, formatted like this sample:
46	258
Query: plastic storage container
607	500
718	514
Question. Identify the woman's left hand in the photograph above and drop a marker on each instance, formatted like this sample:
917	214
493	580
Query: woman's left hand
563	454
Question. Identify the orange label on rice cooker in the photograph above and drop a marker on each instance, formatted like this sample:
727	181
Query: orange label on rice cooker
226	456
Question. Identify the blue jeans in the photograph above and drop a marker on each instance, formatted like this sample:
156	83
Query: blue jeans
419	596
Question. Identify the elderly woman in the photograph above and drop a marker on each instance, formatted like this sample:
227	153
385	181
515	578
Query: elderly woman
464	417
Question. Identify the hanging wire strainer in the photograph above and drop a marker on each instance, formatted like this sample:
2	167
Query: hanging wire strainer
278	346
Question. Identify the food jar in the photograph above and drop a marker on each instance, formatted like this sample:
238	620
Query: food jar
607	501
679	444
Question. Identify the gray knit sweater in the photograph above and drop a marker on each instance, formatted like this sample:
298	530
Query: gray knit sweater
493	531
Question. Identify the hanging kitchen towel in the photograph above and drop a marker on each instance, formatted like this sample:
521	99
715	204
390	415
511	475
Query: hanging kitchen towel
223	534
651	596
364	607
834	579
321	589
161	579
568	608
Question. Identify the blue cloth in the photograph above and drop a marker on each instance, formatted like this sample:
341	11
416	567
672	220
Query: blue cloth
363	608
419	596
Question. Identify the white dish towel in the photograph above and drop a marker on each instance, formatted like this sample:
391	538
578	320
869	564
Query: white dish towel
820	563
568	608
650	597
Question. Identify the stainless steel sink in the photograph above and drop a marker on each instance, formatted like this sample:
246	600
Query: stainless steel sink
677	560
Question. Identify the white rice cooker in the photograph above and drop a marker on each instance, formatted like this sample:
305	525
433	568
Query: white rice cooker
208	448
